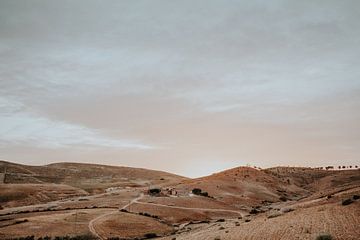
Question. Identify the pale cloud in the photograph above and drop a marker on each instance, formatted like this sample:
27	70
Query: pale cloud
21	127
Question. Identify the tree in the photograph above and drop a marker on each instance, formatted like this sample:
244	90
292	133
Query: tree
154	191
343	167
339	167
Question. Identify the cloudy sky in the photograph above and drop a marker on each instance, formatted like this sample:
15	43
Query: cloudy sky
189	87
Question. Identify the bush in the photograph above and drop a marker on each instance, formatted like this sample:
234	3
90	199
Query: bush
204	194
254	211
324	237
154	191
150	235
196	191
356	197
282	198
199	192
347	202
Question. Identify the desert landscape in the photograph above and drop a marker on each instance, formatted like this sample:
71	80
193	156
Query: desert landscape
86	201
179	120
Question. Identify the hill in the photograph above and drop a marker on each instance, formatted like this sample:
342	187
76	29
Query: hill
65	180
239	203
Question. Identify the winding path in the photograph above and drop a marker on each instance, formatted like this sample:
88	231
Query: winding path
93	221
136	200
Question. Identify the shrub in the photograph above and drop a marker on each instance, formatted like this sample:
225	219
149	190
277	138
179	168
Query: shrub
356	197
282	198
347	202
150	235
196	191
204	194
254	211
154	191
199	192
324	237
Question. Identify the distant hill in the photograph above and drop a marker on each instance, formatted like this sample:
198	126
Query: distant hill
72	179
248	186
316	180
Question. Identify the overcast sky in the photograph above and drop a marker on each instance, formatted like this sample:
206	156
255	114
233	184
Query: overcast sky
190	87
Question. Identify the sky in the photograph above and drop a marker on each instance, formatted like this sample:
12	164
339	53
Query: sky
189	87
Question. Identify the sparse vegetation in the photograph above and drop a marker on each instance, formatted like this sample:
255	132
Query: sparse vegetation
254	211
154	191
199	192
347	202
150	235
283	198
324	237
196	191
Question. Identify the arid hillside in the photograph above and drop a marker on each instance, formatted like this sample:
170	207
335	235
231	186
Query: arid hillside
102	202
245	186
90	177
26	185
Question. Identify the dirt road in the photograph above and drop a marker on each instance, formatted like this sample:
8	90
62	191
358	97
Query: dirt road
92	222
188	208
